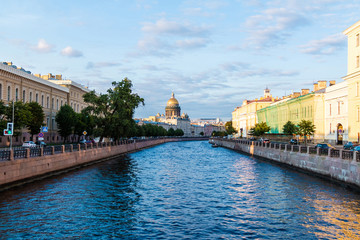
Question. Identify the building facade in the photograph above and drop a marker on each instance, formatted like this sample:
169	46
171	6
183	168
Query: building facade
16	84
245	117
296	107
336	113
353	80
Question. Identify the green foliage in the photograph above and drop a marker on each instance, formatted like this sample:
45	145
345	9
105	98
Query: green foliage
229	128
290	128
201	133
36	119
113	111
219	133
306	128
171	132
259	129
179	132
66	119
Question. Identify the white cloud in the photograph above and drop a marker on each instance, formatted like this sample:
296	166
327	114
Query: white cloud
101	64
192	43
43	47
163	26
325	46
70	52
272	26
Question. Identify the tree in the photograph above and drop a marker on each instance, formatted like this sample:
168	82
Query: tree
259	129
113	111
22	115
306	128
290	128
36	119
66	120
179	132
171	132
229	128
201	133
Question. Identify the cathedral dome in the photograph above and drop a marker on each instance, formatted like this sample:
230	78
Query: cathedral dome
172	101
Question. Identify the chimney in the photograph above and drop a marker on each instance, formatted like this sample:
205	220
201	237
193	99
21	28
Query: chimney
37	75
305	91
296	94
316	87
322	84
332	82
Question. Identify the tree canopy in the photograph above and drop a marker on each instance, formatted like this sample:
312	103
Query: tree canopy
229	128
306	128
259	129
66	120
290	128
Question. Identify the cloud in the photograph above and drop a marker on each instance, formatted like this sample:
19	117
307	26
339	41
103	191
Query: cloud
325	46
92	65
165	38
43	47
272	26
70	52
192	43
163	26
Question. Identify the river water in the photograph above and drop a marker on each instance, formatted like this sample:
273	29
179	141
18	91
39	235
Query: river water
183	190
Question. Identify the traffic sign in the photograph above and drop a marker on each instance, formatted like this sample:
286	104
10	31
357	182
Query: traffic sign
44	129
41	139
41	135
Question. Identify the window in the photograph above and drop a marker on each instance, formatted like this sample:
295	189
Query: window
329	109
357	40
0	91
52	103
24	96
53	123
78	108
47	102
57	104
30	97
9	93
338	108
357	61
42	100
37	98
47	121
61	103
16	94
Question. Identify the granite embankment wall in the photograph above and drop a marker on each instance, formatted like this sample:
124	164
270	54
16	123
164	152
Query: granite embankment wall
334	168
18	171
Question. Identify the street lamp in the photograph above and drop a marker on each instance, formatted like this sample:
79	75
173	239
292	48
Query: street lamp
12	123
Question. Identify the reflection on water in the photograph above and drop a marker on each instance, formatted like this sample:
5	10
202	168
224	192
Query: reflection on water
181	190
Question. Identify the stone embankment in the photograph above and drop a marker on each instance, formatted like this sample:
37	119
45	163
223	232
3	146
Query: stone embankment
338	165
17	171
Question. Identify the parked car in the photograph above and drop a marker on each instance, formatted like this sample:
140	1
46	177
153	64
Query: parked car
356	149
82	141
264	140
29	144
294	141
324	146
252	139
349	146
40	143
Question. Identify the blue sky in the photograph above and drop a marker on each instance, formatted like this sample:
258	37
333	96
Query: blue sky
212	54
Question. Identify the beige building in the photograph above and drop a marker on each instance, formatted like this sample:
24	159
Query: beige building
51	92
353	80
244	117
336	113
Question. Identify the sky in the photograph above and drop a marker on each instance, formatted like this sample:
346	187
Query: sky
212	54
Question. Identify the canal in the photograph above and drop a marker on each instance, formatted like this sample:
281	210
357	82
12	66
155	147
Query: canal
181	190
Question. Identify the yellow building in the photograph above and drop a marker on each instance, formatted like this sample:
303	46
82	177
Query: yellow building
244	117
296	107
353	80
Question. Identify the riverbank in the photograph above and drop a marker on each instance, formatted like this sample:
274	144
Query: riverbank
336	165
19	171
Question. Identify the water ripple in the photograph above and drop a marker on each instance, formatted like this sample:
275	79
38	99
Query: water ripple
184	190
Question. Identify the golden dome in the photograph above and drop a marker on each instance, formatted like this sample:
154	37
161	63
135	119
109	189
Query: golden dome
172	101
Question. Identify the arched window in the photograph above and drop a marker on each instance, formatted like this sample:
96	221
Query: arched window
30	97
24	96
61	103
42	100
47	102
37	98
16	94
57	104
